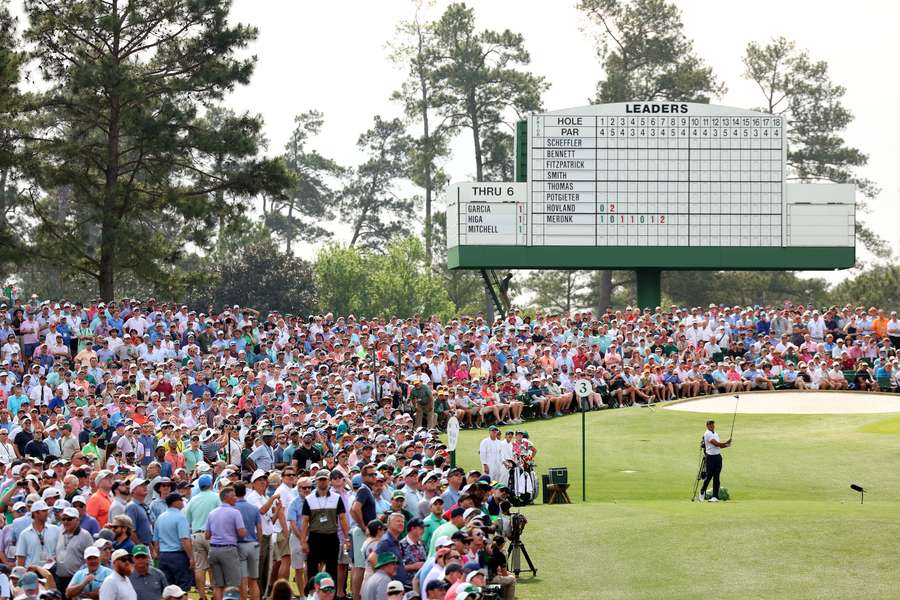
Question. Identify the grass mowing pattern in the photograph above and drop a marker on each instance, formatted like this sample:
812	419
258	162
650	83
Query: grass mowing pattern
793	526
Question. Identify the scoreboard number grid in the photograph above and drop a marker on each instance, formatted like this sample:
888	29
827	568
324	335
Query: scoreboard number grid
656	180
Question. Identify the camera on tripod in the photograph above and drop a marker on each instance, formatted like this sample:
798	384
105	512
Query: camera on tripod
517	549
517	526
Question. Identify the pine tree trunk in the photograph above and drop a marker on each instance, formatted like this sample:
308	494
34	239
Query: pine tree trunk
603	289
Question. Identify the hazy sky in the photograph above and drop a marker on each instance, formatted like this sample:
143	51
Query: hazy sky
332	56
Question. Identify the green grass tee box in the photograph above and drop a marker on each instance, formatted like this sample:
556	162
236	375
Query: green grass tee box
793	528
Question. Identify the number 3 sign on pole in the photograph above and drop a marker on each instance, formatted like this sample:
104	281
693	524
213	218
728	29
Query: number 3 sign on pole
582	389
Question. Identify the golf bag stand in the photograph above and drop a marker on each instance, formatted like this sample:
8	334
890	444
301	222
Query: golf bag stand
522	485
701	471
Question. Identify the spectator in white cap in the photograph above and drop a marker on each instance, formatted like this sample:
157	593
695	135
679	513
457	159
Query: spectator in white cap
37	544
73	541
87	580
139	512
173	591
117	586
121	496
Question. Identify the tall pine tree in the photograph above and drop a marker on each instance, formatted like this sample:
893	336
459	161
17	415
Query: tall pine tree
800	89
122	130
646	56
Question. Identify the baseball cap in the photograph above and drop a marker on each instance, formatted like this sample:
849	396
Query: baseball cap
121	554
258	474
394	586
101	476
29	581
92	551
79	498
173	591
323	474
138	483
140	550
39	505
71	513
324	581
204	481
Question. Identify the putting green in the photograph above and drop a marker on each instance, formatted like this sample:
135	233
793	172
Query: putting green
793	526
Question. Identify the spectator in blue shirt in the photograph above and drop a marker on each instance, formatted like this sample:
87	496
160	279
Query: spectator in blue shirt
139	512
172	539
87	580
248	545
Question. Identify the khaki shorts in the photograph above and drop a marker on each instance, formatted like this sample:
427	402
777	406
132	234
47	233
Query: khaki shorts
200	546
282	547
248	552
357	560
298	557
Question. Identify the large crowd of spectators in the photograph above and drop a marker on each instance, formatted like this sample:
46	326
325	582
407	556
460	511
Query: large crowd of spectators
147	449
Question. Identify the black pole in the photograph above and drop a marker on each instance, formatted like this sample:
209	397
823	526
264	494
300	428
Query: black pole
583	454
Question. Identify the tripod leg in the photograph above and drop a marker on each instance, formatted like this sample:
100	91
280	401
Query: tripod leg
528	560
515	559
697	480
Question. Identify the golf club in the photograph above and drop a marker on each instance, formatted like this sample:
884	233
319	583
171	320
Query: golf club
737	399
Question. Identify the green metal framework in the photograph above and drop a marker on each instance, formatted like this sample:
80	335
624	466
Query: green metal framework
651	257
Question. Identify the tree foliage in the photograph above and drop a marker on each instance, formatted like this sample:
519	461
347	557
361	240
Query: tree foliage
422	95
465	287
370	202
800	89
12	58
645	53
646	56
558	291
310	200
122	129
396	283
743	288
484	77
877	286
249	268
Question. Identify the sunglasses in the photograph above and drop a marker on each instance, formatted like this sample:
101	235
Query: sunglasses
305	487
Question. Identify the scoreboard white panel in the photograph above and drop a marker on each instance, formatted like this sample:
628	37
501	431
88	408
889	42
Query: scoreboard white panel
656	174
486	214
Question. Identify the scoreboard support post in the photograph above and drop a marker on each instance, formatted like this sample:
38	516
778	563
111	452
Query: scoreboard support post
649	288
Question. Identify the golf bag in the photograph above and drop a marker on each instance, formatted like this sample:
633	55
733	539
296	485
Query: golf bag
522	485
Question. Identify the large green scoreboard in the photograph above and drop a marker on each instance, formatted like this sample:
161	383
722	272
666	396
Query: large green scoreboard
651	186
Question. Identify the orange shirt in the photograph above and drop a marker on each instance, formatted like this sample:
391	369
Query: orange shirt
98	507
879	326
